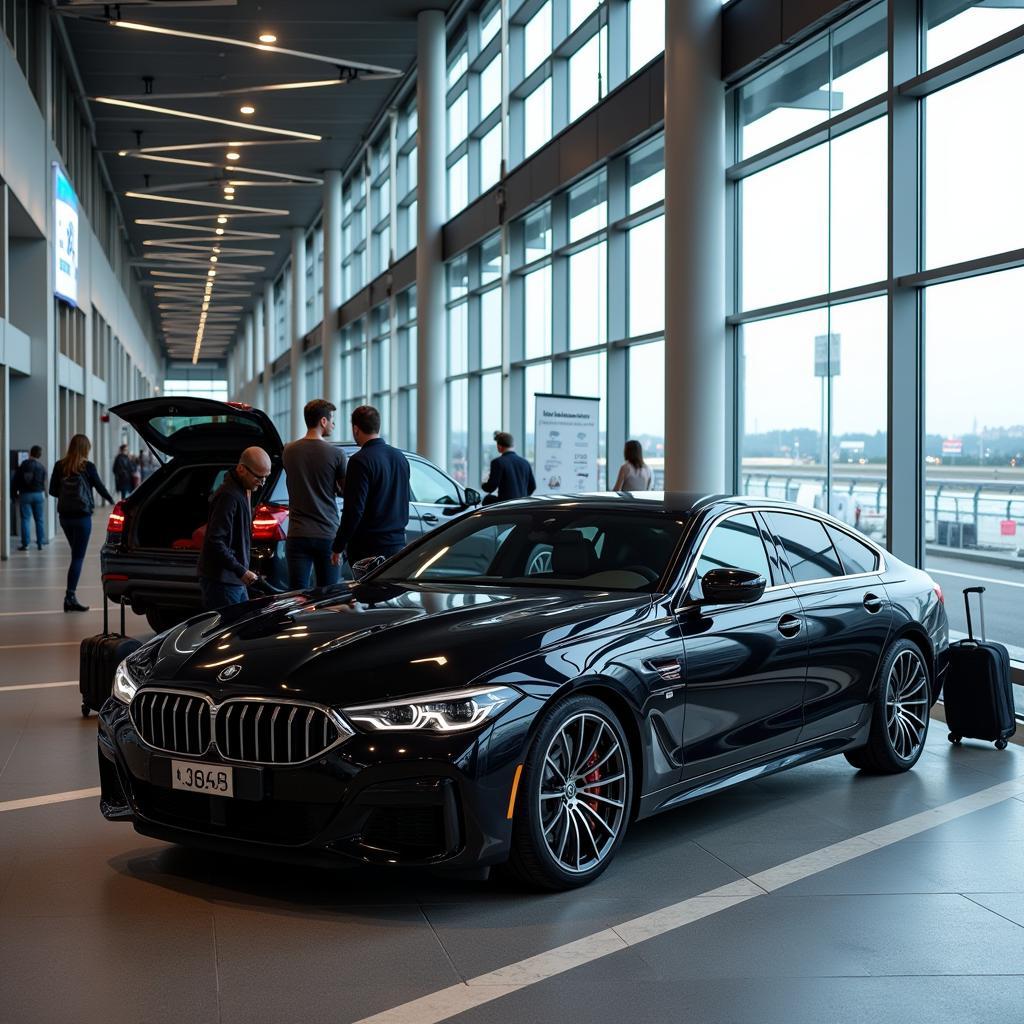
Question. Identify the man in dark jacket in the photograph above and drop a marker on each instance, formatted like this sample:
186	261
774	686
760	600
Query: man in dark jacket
511	475
30	487
376	509
224	569
123	469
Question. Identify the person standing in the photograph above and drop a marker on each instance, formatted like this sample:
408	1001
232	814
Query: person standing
123	470
634	473
147	464
224	569
30	487
511	475
376	506
315	472
72	482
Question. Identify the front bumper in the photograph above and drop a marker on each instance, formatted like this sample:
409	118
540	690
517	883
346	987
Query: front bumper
371	799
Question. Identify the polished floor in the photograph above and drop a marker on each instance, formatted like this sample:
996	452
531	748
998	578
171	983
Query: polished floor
816	895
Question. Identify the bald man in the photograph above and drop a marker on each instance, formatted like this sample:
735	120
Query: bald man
224	569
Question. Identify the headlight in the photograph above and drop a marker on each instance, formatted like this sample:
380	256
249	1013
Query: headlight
124	686
438	712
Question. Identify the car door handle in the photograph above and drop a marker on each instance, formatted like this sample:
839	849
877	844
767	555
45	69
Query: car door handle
873	603
788	625
428	517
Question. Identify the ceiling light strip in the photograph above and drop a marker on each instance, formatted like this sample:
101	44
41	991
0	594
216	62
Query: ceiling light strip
322	83
259	210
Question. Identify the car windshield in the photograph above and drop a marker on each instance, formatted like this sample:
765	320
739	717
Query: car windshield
566	547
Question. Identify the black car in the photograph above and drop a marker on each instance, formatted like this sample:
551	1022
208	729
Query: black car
152	545
523	682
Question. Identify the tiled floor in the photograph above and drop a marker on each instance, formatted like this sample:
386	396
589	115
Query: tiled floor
100	924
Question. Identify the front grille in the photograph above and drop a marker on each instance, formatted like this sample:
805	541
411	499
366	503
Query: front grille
416	832
273	732
172	721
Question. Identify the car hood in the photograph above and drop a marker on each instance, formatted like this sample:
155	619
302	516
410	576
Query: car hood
355	644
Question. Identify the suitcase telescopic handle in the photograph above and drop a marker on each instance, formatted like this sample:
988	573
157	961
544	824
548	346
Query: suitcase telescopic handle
981	610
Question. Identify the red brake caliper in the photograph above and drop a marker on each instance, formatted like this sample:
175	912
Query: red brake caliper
594	776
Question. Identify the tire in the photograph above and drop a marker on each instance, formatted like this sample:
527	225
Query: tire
570	846
899	717
160	619
1000	744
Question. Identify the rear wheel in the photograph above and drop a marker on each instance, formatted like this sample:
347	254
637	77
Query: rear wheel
899	719
574	797
164	618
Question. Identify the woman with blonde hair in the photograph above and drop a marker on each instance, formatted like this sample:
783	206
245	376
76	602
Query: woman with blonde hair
634	473
72	482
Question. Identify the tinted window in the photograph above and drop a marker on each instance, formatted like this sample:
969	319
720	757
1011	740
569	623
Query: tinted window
735	544
808	549
430	486
856	557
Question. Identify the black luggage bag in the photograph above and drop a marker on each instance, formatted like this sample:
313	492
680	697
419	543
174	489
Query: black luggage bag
978	692
99	656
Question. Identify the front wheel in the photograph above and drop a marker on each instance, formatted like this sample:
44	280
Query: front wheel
900	716
574	798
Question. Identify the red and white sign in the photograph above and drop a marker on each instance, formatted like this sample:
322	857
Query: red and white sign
1008	527
952	446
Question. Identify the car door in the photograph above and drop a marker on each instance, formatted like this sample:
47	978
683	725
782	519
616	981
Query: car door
435	497
847	613
744	663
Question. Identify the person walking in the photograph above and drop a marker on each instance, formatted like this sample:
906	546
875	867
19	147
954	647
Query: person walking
224	569
315	472
147	464
634	473
511	475
123	469
72	482
30	488
376	506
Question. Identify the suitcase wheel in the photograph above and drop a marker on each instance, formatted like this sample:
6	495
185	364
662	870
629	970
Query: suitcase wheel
86	709
1000	744
953	738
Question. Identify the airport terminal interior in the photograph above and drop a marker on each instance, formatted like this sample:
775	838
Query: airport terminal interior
777	243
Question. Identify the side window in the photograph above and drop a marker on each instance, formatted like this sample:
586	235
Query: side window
808	549
735	544
429	486
856	557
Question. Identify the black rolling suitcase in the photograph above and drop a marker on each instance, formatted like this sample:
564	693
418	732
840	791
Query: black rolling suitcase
99	656
978	693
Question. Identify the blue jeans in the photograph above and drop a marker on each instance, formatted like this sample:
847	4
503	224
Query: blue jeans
306	554
220	595
32	506
77	529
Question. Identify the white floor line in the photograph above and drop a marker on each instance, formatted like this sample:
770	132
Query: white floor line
50	611
485	988
978	579
81	586
49	643
36	686
51	798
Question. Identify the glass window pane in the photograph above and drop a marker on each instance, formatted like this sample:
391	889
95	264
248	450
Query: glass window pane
491	415
458	120
579	9
786	206
457	67
536	381
537	234
646	32
490	158
537	313
646	410
974	445
647	175
490	87
860	59
586	74
953	27
537	118
807	546
490	25
490	259
458	339
588	207
458	429
974	205
458	277
490	328
458	186
783	408
647	277
856	557
735	544
588	378
537	39
588	303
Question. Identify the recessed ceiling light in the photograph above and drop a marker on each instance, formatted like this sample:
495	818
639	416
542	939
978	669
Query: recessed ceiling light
212	273
229	199
222	219
213	259
247	108
234	156
268	37
219	231
229	190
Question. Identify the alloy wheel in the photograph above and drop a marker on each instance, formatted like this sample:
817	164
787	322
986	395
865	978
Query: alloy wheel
583	792
906	704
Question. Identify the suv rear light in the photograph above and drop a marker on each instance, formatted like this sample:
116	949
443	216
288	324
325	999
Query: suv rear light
268	522
115	524
938	592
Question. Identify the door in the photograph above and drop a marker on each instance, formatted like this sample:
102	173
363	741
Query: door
745	664
847	614
435	498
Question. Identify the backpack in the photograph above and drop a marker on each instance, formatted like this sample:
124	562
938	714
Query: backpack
75	498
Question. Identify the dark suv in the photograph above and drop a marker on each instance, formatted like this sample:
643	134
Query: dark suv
152	547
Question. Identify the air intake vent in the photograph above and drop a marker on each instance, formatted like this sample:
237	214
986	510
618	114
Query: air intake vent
169	720
272	732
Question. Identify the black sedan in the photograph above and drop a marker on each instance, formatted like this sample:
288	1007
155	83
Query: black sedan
523	682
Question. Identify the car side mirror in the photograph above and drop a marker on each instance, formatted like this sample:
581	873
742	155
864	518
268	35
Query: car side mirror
732	586
472	496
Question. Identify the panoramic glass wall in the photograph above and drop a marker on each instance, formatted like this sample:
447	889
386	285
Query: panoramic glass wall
826	301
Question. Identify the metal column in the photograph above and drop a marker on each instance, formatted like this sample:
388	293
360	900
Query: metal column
332	283
298	425
268	343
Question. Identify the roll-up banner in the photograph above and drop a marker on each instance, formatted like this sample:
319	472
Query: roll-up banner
566	433
65	235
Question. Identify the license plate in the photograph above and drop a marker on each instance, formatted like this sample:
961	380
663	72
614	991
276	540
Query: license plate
196	777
